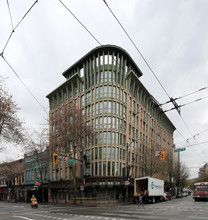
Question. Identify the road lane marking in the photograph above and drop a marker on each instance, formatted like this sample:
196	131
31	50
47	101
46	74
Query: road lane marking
17	216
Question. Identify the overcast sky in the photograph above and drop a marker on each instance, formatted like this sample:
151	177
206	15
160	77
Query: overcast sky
171	35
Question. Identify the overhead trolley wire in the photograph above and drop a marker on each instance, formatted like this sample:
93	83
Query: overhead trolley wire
101	44
193	137
10	14
171	99
87	30
199	99
24	85
13	29
81	23
137	49
183	96
2	53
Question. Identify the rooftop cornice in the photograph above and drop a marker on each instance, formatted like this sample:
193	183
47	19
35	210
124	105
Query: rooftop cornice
103	48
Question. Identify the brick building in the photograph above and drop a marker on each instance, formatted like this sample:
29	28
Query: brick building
129	126
12	181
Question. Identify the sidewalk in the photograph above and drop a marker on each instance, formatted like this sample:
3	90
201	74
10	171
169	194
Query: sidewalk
46	204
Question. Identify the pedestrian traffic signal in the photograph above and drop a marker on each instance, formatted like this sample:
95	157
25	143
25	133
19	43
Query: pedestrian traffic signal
55	158
162	154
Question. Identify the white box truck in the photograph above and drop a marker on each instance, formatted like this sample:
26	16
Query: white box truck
152	188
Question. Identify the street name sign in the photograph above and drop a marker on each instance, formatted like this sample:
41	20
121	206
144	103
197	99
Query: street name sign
180	149
71	160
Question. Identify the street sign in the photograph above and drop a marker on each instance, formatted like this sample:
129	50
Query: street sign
126	183
157	153
180	149
71	160
81	188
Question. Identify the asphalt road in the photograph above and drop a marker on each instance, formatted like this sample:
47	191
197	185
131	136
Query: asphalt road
177	209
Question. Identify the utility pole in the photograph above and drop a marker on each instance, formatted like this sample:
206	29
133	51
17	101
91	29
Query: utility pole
127	178
127	173
82	174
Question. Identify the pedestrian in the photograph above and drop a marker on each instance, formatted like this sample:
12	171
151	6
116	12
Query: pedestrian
140	199
120	197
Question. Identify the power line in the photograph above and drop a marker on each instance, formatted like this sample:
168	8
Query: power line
171	99
136	48
24	84
179	106
81	23
13	29
2	53
191	145
183	96
10	14
193	137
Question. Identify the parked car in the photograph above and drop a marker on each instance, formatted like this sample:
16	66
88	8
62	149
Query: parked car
185	193
179	195
167	196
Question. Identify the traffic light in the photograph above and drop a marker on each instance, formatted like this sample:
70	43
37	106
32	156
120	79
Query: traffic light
83	181
162	154
55	158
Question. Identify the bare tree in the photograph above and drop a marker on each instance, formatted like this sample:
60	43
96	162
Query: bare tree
203	177
37	145
37	158
181	174
11	126
151	164
71	135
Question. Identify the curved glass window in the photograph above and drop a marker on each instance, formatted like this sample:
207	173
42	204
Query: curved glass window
113	153
101	92
104	137
100	138
105	107
101	122
110	91
101	77
101	107
114	92
109	107
106	76
104	152
109	137
110	76
109	121
118	93
114	76
109	152
114	107
117	153
105	91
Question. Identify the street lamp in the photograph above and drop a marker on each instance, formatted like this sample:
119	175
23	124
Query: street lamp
127	173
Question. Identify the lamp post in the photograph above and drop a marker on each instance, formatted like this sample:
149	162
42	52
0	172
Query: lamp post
127	173
82	174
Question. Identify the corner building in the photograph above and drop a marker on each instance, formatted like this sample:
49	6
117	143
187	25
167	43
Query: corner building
126	119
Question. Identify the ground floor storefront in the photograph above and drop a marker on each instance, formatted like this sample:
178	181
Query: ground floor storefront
24	193
94	191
